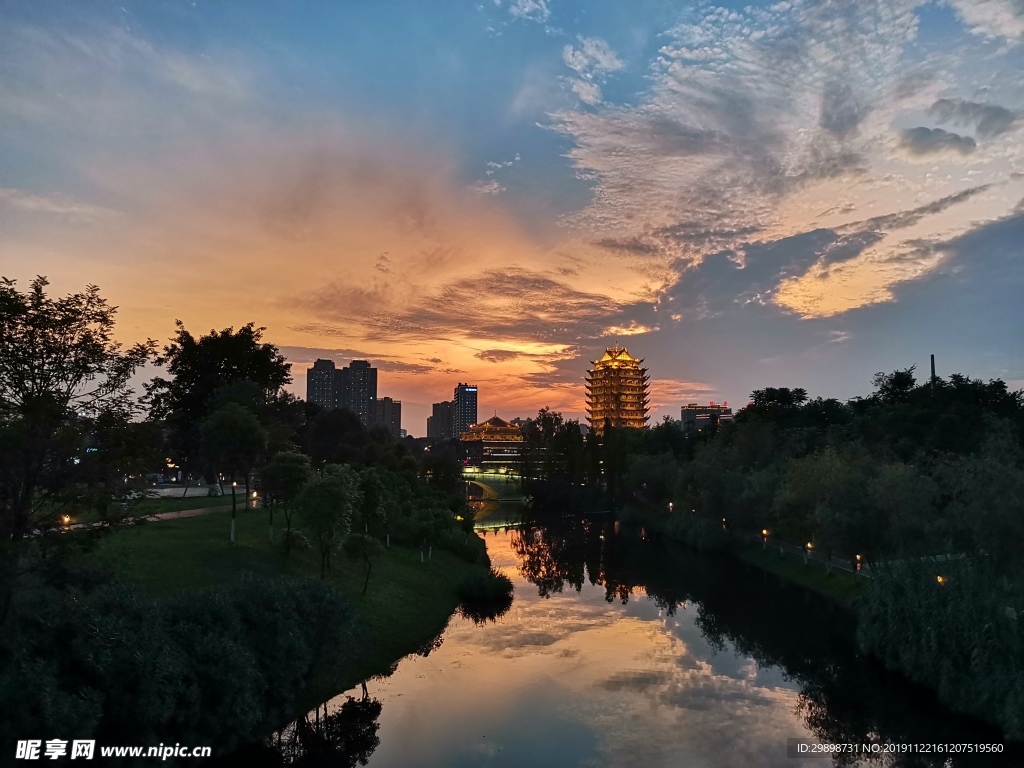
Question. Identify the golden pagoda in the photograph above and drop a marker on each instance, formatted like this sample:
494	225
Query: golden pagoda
617	391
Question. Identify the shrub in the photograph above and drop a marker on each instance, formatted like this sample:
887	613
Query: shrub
286	540
218	665
465	546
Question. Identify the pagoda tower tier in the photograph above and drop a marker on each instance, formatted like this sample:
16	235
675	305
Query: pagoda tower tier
617	391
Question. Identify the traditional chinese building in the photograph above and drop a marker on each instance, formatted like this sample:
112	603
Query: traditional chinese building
493	444
617	391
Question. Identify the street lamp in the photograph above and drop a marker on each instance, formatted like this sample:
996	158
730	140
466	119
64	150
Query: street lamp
764	538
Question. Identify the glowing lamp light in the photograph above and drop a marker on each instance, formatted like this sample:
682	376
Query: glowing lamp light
254	494
858	558
233	483
810	545
940	579
65	520
764	531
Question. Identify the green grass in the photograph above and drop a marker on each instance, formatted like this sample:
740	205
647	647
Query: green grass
839	586
406	605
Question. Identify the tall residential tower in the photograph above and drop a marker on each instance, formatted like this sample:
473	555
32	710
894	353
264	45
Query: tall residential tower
354	388
463	408
320	384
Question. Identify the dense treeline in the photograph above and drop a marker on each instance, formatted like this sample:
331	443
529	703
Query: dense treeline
924	481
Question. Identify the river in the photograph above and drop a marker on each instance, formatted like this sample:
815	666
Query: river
623	651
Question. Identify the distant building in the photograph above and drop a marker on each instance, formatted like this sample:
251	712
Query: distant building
617	391
320	384
354	388
388	414
493	444
440	424
357	390
463	408
698	418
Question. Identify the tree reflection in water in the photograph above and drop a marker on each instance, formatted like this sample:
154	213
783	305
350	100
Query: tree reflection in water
843	697
342	739
345	738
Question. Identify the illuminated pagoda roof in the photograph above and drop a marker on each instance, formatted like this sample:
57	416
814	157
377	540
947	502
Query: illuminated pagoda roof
615	357
493	429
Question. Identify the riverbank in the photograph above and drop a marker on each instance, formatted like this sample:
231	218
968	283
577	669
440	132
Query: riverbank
836	585
406	605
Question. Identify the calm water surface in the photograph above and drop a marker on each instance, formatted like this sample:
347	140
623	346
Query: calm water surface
621	651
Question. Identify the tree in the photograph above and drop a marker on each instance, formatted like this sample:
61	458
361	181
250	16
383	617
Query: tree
216	366
360	546
443	468
334	436
61	374
374	485
894	387
283	478
232	439
326	504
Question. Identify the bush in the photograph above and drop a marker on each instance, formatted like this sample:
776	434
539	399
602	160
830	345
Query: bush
219	665
465	546
295	540
961	637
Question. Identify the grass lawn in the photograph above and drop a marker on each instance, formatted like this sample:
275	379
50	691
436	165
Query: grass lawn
406	605
839	585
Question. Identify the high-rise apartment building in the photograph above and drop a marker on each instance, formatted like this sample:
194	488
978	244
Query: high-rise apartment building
617	391
388	414
440	422
353	388
464	408
357	390
320	384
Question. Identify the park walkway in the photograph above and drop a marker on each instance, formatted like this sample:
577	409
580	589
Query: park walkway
177	514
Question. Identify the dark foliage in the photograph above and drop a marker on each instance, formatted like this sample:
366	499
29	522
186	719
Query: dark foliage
486	596
218	666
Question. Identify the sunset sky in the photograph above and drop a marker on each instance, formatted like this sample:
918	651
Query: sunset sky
788	194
